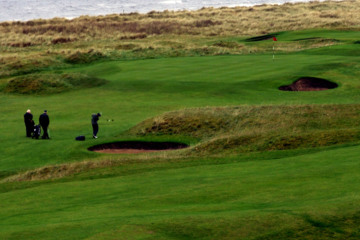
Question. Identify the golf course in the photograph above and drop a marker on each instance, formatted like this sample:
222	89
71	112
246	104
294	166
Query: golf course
247	153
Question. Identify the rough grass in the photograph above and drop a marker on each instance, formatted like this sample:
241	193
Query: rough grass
50	83
208	31
265	128
207	21
202	122
82	58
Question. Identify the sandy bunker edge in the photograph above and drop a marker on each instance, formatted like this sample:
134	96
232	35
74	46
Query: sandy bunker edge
309	84
136	147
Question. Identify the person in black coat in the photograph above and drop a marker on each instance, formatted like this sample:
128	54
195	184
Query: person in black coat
44	122
29	123
95	126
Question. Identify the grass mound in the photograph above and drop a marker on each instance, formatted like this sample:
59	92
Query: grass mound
258	128
51	83
188	122
256	142
85	57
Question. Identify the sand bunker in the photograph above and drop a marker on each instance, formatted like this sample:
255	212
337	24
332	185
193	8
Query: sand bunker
261	38
309	84
132	147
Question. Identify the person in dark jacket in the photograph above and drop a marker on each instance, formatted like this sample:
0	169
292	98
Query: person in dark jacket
44	122
29	123
95	126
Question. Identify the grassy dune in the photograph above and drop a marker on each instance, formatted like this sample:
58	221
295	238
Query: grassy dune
39	44
262	163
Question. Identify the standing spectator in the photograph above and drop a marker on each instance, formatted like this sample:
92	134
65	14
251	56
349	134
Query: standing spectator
44	122
29	123
95	126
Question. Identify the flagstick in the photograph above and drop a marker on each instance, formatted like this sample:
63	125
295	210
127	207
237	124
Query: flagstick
273	51
274	40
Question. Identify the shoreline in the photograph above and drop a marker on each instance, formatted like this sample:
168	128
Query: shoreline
160	9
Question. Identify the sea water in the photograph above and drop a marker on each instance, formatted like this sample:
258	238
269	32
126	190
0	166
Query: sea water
23	10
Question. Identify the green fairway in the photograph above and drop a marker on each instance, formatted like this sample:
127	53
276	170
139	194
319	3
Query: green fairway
262	163
216	198
141	89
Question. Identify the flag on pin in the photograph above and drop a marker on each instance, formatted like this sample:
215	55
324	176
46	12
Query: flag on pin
274	39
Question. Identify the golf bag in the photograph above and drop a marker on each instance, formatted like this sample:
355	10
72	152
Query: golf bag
36	132
80	138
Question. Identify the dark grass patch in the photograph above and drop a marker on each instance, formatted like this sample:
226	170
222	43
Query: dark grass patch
51	83
320	228
139	145
85	57
309	84
226	44
133	37
278	226
127	46
62	40
206	23
21	44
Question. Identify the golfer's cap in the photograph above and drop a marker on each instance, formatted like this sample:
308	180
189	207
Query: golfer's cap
28	110
98	114
45	110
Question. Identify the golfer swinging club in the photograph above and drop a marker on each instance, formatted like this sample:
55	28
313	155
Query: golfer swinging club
95	126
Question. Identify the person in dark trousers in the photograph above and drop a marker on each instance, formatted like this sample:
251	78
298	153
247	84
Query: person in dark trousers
29	123
44	122
95	126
